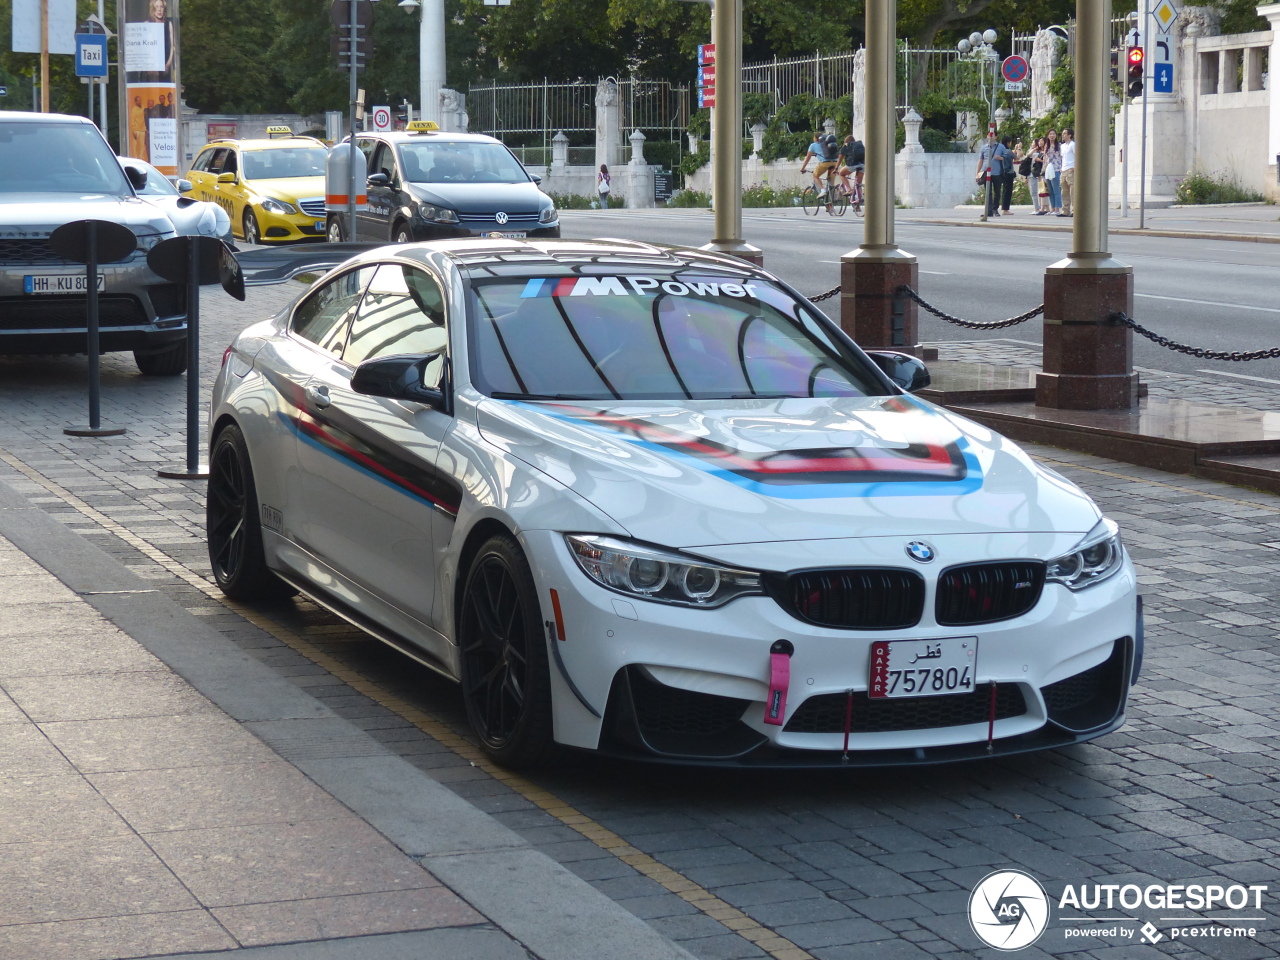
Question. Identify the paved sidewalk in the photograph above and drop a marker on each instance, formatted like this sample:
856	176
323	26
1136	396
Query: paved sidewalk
146	811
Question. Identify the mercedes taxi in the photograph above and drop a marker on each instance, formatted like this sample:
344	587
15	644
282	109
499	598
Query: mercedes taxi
652	502
272	189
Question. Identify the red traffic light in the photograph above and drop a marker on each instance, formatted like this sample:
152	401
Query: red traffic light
1135	56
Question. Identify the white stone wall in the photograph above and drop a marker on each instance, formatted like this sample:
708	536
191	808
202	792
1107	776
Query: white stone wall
580	181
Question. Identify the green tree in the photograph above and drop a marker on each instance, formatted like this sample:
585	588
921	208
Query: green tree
227	63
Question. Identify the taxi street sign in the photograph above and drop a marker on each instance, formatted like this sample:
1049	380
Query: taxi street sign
91	55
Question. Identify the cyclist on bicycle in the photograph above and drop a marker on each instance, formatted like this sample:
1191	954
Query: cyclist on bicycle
853	157
825	149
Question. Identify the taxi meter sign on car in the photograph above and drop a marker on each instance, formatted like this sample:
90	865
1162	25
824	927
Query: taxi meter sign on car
650	502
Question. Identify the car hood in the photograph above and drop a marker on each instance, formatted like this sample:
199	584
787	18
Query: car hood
289	189
481	197
193	218
701	473
39	214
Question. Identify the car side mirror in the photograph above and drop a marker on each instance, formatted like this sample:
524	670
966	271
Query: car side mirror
184	186
137	177
906	371
227	178
535	178
399	378
378	180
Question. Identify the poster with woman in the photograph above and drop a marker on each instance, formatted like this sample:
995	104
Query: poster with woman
149	29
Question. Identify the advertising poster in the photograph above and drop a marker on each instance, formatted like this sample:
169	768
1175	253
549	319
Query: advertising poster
149	44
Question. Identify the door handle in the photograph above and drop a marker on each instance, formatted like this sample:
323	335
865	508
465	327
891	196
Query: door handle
318	396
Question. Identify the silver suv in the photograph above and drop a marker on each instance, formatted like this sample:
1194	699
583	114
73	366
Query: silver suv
55	169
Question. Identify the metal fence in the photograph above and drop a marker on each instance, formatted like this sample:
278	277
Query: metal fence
534	112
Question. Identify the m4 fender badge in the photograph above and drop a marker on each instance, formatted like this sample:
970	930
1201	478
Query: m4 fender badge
920	551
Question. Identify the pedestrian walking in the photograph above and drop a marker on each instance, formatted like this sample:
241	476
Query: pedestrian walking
1035	178
1068	170
1009	159
603	187
1053	171
990	172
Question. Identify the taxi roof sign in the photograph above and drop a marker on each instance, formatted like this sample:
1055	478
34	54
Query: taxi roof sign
423	126
279	131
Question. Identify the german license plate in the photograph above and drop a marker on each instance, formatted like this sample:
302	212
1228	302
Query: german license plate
508	234
59	283
922	668
320	225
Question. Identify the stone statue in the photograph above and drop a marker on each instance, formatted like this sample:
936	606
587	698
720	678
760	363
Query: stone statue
606	93
453	111
1045	54
1200	21
859	98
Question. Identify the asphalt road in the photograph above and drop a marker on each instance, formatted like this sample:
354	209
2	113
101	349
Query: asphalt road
1216	294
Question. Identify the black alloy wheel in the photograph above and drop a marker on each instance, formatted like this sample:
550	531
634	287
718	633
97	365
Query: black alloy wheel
505	678
232	525
251	232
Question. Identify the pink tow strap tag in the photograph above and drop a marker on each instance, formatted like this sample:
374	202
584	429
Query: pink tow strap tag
775	708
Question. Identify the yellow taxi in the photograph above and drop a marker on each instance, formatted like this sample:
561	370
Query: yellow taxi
272	189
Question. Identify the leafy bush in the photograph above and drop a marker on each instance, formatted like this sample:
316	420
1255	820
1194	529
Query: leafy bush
693	162
690	198
571	201
763	195
1206	188
935	141
665	153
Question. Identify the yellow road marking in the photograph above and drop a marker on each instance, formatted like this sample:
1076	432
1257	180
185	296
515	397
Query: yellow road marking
708	903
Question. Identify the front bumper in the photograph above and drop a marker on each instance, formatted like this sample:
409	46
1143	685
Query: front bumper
137	310
449	231
283	227
643	679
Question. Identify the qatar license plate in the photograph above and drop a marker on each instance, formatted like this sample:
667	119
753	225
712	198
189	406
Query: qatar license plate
59	283
922	668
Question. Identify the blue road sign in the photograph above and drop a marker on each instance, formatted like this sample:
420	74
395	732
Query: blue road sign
1162	81
91	55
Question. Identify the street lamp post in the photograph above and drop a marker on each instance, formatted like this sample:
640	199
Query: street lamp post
431	64
979	46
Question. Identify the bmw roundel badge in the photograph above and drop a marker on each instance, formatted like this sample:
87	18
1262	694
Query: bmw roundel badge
920	551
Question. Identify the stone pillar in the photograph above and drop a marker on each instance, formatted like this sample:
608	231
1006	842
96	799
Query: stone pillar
911	163
608	124
726	134
694	142
1088	359
431	61
757	139
639	176
451	107
829	126
1272	12
871	311
559	154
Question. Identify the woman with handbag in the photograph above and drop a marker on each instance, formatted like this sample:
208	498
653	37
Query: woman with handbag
1035	179
603	186
1053	172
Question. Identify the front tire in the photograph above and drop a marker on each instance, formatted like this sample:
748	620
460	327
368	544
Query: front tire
334	231
811	201
232	525
402	234
252	233
506	682
168	362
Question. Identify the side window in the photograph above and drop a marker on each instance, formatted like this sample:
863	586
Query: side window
402	313
385	162
216	158
321	317
229	164
367	147
202	161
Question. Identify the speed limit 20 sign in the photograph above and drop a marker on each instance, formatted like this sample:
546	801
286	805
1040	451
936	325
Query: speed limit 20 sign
382	118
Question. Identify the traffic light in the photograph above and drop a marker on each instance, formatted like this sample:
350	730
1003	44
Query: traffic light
1136	56
1115	66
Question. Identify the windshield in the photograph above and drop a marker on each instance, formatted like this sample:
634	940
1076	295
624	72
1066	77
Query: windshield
675	336
58	158
443	162
283	163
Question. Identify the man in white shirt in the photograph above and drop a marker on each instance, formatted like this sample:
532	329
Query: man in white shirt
1068	170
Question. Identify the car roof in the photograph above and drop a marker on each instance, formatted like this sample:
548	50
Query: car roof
487	257
407	136
265	144
25	116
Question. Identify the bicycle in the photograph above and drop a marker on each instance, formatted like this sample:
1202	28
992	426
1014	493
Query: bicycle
830	198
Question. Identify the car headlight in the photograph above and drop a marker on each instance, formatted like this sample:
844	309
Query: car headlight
271	205
548	215
654	574
439	214
1092	560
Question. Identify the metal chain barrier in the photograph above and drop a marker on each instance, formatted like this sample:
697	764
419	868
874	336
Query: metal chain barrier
970	324
1124	318
825	296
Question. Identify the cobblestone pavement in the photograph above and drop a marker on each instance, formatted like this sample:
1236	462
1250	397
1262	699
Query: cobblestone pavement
833	865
